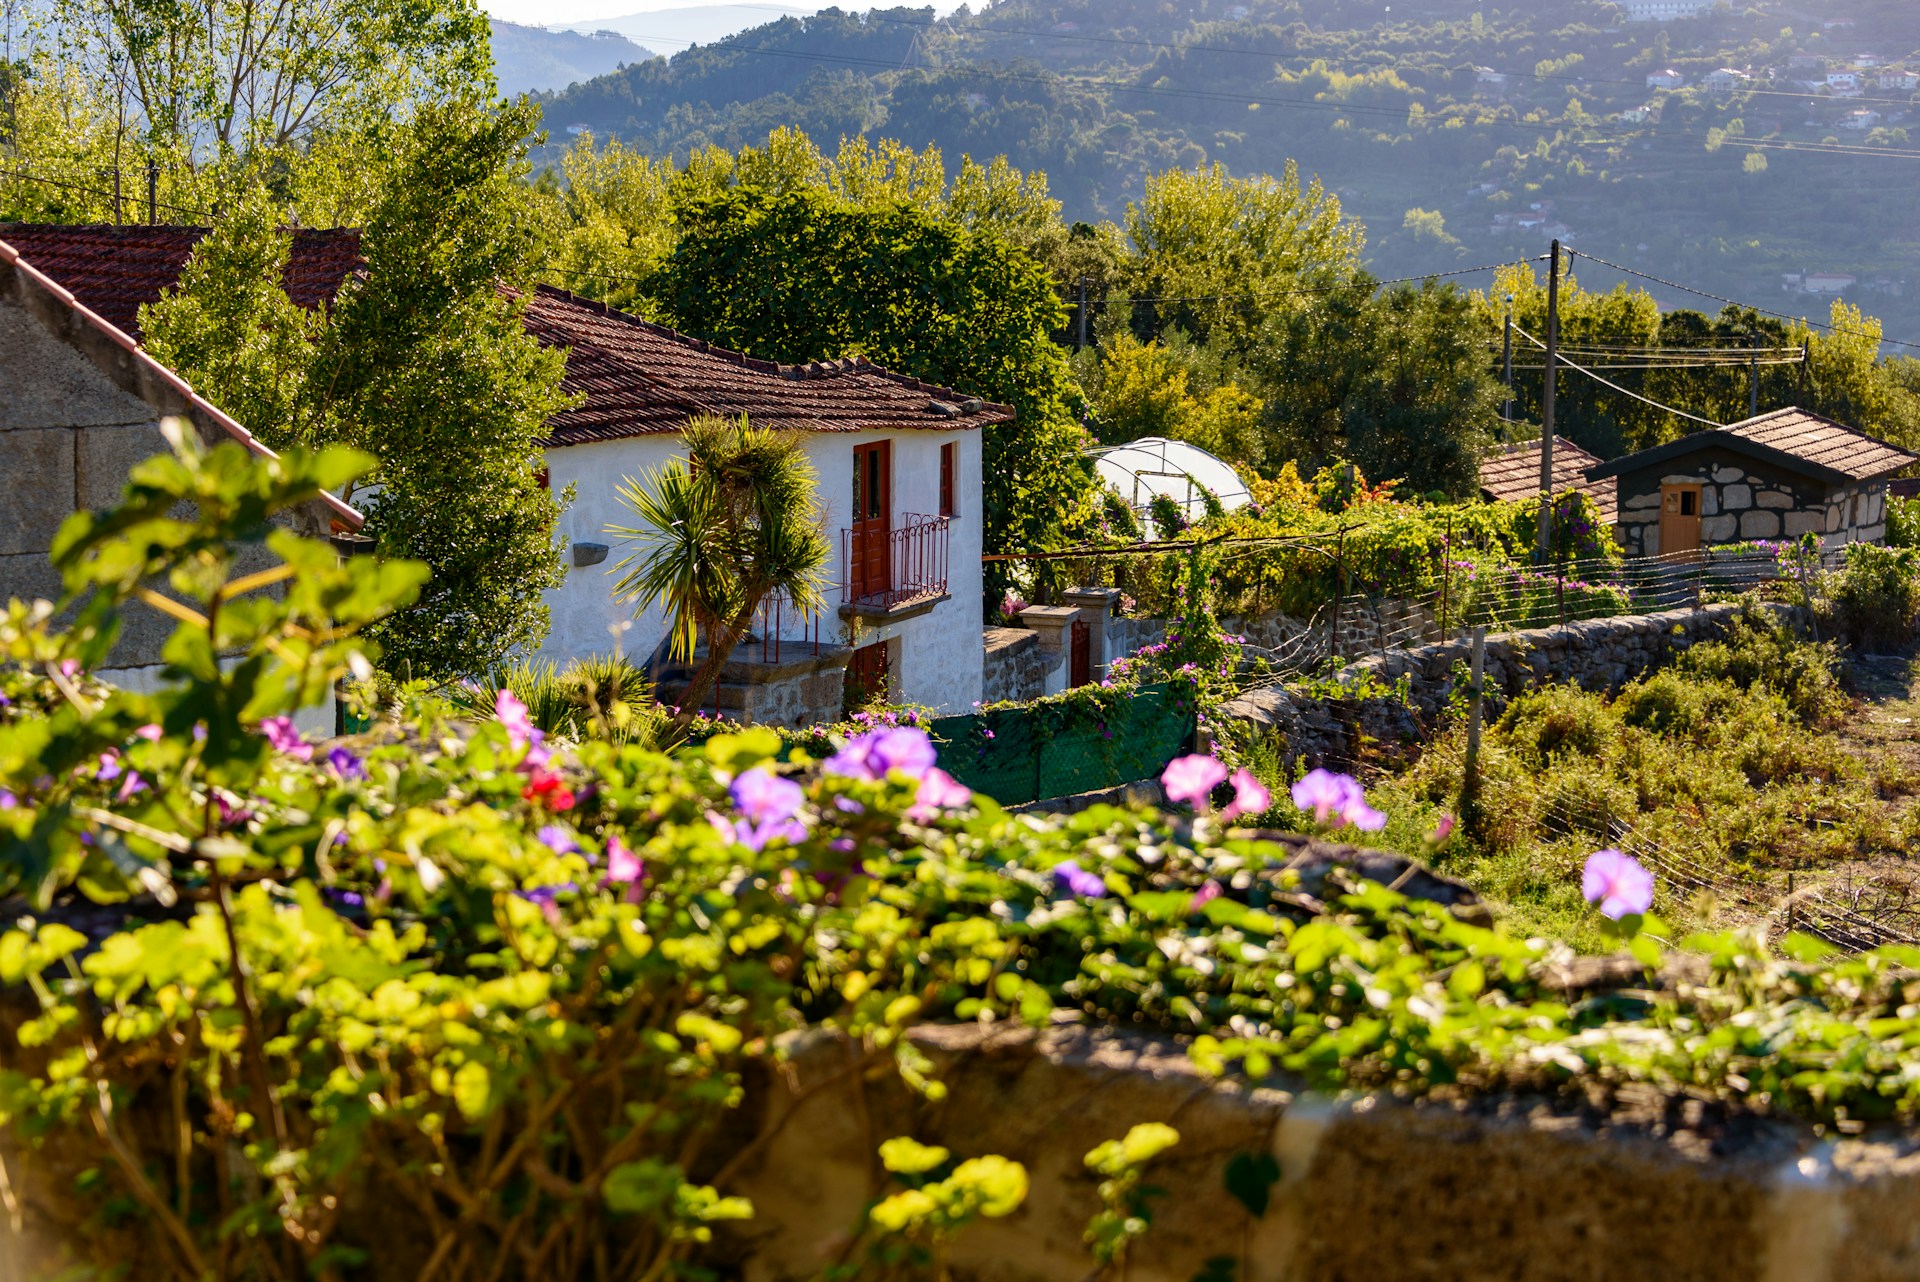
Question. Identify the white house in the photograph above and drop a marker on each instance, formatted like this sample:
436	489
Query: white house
1860	118
1725	80
1662	10
900	482
1898	78
1667	79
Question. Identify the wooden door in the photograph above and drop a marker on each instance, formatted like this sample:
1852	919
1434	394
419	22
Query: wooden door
871	568
867	676
1080	665
1679	520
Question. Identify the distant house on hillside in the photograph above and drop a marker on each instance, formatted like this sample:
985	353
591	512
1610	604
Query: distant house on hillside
1510	472
1725	80
899	464
80	405
1667	79
1662	10
1826	283
1804	61
1897	78
1491	81
1778	476
1860	118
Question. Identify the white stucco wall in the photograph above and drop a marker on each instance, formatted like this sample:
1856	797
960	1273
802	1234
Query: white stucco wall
938	658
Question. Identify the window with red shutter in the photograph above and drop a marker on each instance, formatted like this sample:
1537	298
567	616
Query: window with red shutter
948	460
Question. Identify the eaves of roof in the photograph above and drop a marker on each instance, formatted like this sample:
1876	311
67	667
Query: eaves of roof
23	276
1716	438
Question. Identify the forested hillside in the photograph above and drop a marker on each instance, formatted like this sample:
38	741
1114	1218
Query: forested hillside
1458	133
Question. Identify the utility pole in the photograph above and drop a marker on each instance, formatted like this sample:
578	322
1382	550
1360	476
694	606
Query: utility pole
1083	314
1506	359
153	192
1753	378
1546	404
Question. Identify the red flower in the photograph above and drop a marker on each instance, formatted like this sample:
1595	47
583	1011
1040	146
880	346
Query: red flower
547	785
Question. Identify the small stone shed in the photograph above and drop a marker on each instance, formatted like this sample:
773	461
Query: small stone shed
80	404
1778	476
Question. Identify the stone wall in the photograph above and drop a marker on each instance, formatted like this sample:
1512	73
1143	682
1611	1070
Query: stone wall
1597	654
802	689
1018	666
1519	1188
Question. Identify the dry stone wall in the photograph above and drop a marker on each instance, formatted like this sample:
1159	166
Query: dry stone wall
1596	654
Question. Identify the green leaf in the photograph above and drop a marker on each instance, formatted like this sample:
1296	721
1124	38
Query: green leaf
1250	1178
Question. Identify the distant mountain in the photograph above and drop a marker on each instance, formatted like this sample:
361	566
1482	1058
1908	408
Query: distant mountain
1458	131
675	29
534	59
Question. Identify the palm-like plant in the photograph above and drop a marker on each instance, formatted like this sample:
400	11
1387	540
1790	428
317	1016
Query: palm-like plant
739	520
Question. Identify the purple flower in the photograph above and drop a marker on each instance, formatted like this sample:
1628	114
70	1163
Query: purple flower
280	732
1250	796
762	795
7	800
546	898
1619	883
938	791
1078	881
1190	780
874	755
109	768
1208	892
130	785
558	840
346	898
345	764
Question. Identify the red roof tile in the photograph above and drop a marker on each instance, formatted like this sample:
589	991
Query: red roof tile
1513	472
638	378
113	270
22	275
641	379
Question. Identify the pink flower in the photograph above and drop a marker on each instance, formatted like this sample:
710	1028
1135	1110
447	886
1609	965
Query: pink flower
1441	831
877	753
624	868
1250	796
1325	795
280	732
938	791
1618	883
1078	882
1191	779
150	732
1208	892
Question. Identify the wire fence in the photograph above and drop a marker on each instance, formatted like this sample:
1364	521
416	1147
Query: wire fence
1511	598
1844	909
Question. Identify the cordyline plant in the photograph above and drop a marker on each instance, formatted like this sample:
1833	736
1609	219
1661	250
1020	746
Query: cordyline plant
446	1003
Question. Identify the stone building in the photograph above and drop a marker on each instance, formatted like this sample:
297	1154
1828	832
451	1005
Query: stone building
80	404
1781	475
1510	472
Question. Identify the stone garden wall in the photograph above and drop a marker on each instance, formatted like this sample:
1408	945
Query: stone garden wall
1597	654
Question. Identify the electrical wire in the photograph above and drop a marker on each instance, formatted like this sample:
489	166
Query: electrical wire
1581	369
1730	302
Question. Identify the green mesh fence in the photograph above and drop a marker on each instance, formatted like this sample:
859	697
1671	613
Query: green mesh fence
1042	751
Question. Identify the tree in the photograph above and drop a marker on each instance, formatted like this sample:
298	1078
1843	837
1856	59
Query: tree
1226	253
806	275
737	521
422	362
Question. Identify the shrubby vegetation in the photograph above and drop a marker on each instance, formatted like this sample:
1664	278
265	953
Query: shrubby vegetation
519	991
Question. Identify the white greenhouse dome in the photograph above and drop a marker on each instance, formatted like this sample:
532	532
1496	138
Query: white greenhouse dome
1139	470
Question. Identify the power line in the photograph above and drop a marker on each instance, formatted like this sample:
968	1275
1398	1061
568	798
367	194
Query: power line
1581	369
1730	302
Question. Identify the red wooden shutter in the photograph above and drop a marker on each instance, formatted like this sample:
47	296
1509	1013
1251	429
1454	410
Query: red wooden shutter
948	460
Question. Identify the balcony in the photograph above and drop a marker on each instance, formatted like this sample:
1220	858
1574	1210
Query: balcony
894	573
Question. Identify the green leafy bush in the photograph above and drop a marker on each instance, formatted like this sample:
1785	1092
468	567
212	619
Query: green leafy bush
521	996
1876	600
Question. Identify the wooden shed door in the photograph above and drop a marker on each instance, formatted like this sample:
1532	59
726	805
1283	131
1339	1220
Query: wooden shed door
872	563
1079	655
1679	519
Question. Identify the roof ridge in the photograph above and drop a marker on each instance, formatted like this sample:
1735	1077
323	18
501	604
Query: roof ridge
119	337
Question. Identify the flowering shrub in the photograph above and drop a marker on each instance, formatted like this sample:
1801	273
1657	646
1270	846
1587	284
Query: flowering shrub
514	994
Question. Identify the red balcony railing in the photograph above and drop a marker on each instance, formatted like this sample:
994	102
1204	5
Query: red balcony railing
781	624
885	569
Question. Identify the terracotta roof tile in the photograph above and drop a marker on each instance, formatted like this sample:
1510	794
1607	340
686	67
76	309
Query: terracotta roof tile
1792	438
1513	472
113	270
641	379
